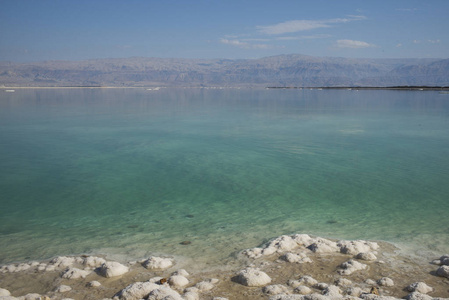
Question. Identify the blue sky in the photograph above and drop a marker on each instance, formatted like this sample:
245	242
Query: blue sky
36	30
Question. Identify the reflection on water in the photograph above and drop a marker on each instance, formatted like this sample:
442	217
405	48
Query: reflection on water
132	171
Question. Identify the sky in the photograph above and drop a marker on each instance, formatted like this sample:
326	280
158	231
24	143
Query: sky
37	30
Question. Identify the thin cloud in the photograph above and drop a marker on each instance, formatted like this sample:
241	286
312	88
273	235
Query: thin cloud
434	41
304	25
353	44
244	45
303	37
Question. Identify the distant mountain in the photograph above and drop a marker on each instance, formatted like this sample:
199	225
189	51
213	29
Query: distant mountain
282	70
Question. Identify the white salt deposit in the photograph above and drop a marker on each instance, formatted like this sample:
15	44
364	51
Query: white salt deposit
420	287
178	281
350	267
253	277
136	291
385	281
63	288
74	273
154	262
276	289
4	293
112	269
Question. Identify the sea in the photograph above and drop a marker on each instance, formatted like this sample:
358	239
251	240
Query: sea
203	173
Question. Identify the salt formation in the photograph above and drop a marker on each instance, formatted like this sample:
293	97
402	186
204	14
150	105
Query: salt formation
4	293
93	283
178	281
368	256
154	262
350	267
275	289
74	273
419	287
112	269
443	271
385	281
299	258
253	277
136	291
63	289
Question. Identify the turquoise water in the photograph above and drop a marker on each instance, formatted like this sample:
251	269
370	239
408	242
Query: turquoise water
131	172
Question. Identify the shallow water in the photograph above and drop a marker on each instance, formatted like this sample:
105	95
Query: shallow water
131	172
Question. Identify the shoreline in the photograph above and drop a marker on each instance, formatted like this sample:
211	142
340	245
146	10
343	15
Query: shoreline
276	270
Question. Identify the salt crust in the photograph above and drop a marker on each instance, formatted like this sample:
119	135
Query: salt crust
135	291
112	269
154	262
253	277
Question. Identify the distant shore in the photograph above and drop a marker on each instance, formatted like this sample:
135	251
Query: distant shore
404	88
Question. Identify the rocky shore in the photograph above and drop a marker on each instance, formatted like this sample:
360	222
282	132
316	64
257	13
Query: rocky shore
288	267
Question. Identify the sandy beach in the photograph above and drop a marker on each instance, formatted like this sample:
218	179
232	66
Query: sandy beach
288	267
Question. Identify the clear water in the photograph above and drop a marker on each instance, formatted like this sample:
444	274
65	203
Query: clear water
131	172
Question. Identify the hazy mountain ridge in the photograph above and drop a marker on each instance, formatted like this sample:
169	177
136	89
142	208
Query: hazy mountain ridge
281	70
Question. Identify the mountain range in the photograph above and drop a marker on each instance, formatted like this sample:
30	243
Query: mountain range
282	70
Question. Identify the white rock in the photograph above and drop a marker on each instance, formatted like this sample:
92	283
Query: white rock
307	280
343	282
4	293
354	291
204	286
269	250
154	262
296	258
94	283
418	296
284	243
324	246
350	267
443	271
136	291
31	296
321	286
355	247
419	287
93	261
164	293
253	277
191	296
50	268
178	281
74	273
112	269
22	267
385	281
294	283
332	291
275	289
63	289
253	253
303	290
219	298
303	239
370	282
368	256
62	261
